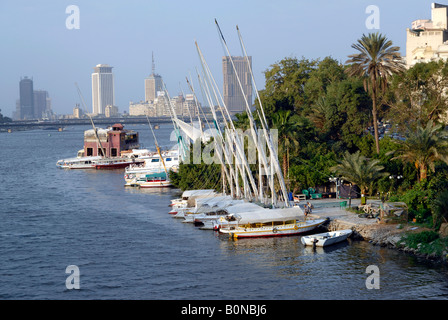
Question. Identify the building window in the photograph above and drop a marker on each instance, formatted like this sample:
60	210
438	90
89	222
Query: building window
113	152
89	152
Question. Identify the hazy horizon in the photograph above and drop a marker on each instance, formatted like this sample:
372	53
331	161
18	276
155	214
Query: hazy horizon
36	42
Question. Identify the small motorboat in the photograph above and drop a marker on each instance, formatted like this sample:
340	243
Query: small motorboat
326	238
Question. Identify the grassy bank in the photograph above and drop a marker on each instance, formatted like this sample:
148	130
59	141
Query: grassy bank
427	243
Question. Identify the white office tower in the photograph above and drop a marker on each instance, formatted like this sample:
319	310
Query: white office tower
153	84
102	88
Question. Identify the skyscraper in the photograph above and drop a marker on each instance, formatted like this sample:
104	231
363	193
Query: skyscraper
102	88
40	103
26	99
153	84
233	96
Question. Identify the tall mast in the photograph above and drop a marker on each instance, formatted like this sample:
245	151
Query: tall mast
234	136
274	160
91	121
253	129
157	146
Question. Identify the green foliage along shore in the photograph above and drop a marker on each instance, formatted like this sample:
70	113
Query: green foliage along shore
323	111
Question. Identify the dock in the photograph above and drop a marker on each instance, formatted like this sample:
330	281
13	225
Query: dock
363	228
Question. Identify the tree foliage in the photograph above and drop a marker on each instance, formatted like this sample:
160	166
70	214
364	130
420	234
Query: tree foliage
359	170
376	61
419	95
423	147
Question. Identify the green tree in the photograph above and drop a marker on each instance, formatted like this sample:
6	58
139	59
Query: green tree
287	128
284	86
347	112
359	170
326	72
439	207
376	62
418	95
423	147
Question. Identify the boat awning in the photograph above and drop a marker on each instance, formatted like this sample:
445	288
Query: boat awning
156	175
252	213
190	193
210	204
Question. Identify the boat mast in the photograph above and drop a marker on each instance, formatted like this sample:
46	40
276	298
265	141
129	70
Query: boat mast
253	128
103	151
183	148
233	138
157	146
274	160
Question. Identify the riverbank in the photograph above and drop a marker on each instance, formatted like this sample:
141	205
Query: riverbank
387	235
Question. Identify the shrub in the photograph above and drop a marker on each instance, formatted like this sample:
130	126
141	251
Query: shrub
412	240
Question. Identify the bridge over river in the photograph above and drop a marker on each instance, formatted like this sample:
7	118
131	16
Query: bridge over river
61	123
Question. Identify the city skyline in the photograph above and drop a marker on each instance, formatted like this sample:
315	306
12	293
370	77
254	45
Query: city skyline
124	34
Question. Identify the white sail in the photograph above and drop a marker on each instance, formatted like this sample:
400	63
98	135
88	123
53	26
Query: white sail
192	132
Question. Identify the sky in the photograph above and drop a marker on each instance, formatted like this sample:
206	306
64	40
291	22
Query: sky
35	41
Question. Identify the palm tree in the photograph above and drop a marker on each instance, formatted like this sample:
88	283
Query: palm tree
318	114
424	147
376	62
359	170
287	135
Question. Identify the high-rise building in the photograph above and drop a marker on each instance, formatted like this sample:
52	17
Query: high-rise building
26	99
102	88
40	103
234	97
153	84
427	40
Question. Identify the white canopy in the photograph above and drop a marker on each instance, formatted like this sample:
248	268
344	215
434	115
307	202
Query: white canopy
191	193
252	213
210	204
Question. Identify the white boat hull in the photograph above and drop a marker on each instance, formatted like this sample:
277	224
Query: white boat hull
155	184
326	239
272	231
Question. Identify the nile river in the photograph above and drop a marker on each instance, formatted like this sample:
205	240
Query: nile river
127	246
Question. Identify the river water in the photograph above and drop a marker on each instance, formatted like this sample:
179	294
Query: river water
126	245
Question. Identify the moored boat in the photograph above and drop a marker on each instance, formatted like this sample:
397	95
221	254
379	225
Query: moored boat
326	238
271	229
254	221
78	163
109	148
155	180
115	163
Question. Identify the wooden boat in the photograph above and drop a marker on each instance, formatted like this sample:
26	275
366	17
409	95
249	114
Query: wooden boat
249	220
326	238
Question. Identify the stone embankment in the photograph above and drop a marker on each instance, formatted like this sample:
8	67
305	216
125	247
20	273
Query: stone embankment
386	235
363	228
